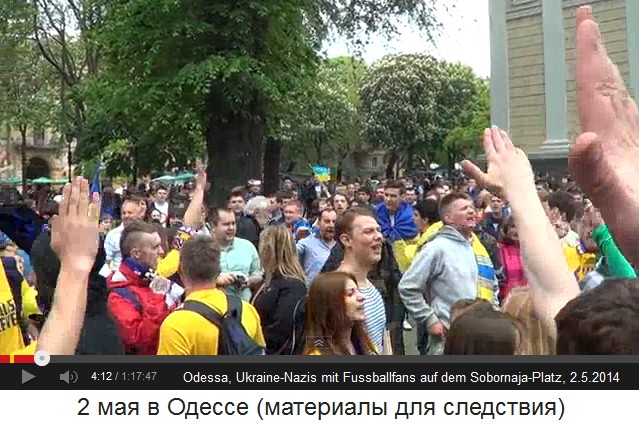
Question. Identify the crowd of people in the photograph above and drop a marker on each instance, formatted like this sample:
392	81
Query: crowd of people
497	262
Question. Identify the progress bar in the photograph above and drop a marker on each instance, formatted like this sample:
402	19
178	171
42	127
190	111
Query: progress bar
17	359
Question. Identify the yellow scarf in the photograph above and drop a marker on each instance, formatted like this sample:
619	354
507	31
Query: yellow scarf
485	271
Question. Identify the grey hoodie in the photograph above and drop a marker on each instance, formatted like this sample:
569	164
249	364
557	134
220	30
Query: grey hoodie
444	272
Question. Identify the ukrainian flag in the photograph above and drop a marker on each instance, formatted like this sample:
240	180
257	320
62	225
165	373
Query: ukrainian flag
322	172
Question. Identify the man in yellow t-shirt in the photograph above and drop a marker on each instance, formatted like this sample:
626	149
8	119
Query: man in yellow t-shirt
186	332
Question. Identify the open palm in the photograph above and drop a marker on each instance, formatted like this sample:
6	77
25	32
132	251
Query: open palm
200	176
604	159
508	167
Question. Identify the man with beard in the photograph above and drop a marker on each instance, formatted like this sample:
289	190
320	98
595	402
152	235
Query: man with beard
453	266
313	251
362	239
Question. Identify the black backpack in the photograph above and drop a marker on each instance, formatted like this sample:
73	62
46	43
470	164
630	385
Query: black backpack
233	339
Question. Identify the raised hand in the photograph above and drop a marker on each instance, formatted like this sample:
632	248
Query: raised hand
592	218
508	167
75	231
200	177
604	159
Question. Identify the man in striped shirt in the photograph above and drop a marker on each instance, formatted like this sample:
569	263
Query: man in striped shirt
362	239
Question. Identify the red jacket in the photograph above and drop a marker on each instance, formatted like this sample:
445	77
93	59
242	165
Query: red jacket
138	324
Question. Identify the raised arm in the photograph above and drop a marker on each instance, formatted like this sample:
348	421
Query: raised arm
604	159
552	284
75	239
193	214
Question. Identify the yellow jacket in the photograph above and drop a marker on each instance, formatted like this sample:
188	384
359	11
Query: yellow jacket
400	248
11	340
410	250
170	264
579	263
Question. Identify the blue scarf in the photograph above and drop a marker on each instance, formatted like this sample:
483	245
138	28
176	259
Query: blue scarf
139	269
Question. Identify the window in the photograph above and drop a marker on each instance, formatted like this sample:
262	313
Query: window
374	162
38	137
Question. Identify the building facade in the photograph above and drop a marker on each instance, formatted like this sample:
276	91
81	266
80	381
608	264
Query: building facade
365	163
45	155
533	91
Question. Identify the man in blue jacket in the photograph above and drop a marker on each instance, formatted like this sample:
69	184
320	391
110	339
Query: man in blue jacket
395	217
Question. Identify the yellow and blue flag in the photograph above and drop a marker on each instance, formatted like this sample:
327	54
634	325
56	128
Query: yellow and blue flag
321	172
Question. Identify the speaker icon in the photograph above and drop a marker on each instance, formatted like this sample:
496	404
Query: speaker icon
69	377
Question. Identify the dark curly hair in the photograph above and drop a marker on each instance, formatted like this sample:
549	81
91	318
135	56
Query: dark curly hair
602	321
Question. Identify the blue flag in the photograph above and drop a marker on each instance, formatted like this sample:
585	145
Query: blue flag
95	181
22	225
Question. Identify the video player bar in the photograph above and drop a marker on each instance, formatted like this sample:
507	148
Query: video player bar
321	376
17	359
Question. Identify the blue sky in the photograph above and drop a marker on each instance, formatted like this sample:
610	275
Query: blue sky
465	38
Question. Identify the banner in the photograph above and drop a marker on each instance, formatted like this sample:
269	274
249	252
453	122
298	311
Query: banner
321	172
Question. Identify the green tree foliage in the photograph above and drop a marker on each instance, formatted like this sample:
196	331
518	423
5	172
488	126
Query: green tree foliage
399	100
464	137
323	124
220	73
27	88
180	74
422	109
64	33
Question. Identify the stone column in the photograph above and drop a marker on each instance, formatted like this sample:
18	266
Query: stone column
555	73
499	100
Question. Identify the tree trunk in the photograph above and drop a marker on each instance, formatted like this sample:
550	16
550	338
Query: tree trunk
410	159
272	154
340	170
235	145
392	161
319	144
69	139
235	135
23	157
134	170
